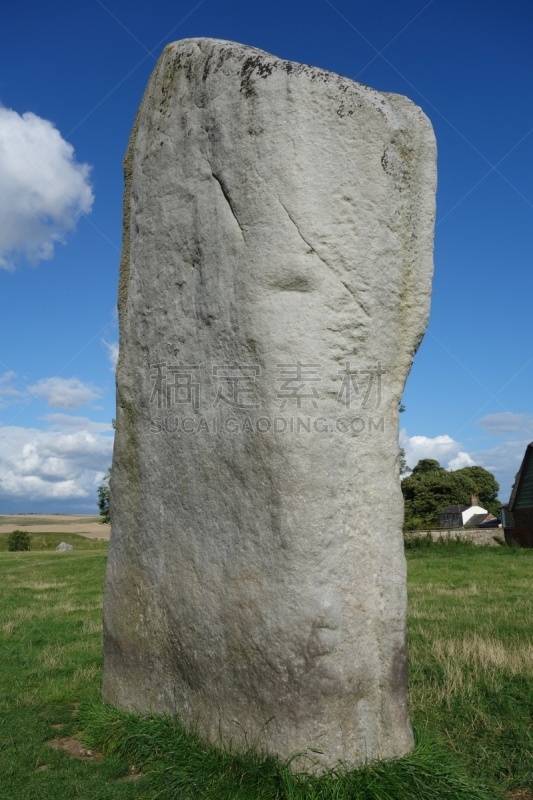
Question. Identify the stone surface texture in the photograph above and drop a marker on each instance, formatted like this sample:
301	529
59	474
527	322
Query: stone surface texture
275	214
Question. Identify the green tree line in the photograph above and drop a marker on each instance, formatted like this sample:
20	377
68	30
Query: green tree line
430	488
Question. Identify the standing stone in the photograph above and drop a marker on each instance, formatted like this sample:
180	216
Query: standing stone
275	284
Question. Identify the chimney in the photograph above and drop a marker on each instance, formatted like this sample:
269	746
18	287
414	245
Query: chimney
474	499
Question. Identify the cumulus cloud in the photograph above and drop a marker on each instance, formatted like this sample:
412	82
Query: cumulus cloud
112	353
41	466
65	392
507	422
461	460
43	190
443	448
503	460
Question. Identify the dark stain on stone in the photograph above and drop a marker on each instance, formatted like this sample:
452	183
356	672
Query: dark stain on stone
211	66
342	111
257	65
225	53
247	88
398	673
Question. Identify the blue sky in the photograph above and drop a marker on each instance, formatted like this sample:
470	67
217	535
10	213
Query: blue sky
71	78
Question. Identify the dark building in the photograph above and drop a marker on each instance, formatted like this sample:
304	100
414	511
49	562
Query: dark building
452	516
517	515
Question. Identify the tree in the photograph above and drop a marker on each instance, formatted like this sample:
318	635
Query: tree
477	480
18	540
430	488
103	499
428	465
404	467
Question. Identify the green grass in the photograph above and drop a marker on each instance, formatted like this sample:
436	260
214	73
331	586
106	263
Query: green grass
471	656
49	541
50	640
471	692
180	766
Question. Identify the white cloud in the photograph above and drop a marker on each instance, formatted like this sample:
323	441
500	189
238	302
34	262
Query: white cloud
461	460
112	353
65	392
503	460
42	466
443	448
43	190
507	422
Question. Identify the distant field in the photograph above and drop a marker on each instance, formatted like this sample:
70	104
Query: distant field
49	523
45	519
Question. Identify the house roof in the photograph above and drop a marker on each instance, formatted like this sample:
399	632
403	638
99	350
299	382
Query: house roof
453	509
524	475
495	522
478	519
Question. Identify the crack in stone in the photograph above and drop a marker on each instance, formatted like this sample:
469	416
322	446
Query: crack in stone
225	192
305	241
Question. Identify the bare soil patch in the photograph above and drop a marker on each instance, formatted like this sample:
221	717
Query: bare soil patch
72	746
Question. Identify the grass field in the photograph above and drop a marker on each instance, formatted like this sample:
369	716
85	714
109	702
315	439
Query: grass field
49	541
471	691
471	656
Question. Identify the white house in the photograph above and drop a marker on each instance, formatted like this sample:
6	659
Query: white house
460	516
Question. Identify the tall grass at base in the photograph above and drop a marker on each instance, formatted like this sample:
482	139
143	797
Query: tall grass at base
178	765
470	691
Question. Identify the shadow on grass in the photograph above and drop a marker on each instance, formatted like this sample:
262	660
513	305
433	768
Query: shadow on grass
178	765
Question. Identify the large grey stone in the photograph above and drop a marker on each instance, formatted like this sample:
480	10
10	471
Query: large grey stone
275	215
